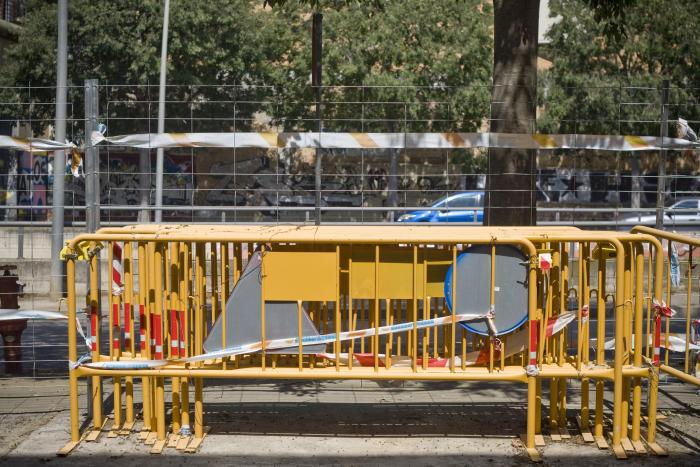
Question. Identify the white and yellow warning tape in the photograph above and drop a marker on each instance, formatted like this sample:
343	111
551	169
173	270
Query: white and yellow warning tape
394	141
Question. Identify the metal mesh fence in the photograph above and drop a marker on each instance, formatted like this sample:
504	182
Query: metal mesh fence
585	188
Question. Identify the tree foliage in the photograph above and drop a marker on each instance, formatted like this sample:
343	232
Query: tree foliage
226	50
602	83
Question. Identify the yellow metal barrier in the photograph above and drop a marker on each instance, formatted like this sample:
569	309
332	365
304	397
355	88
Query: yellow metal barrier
376	297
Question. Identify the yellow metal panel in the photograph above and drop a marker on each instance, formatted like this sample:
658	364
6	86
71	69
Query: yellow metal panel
396	272
300	275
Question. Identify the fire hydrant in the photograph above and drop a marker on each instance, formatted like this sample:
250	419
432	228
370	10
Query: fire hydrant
11	330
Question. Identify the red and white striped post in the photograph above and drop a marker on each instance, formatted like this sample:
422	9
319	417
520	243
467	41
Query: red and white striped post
533	342
117	288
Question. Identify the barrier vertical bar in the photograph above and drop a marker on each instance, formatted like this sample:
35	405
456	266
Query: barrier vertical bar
128	269
619	351
689	308
337	309
626	344
300	356
144	334
72	352
95	319
600	349
263	324
638	346
453	323
414	311
532	405
214	267
174	267
115	253
375	338
158	303
584	322
199	336
185	312
554	306
492	301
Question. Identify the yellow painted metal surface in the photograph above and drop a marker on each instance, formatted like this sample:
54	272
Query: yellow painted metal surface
354	278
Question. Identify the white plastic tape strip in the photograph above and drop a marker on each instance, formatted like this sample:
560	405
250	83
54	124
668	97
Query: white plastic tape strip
290	342
395	141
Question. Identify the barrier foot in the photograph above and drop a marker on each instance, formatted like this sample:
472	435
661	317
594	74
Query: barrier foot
627	444
657	450
534	455
539	440
143	434
639	447
151	438
173	440
127	428
182	443
619	451
197	442
114	431
65	450
158	447
601	442
564	433
585	432
94	433
555	436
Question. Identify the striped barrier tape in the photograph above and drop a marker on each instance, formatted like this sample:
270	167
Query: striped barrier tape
514	343
288	342
32	144
660	309
269	140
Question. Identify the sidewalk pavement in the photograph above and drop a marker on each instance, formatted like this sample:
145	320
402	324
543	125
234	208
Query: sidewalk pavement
335	422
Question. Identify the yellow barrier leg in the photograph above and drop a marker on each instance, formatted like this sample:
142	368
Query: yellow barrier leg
553	409
72	357
532	409
97	415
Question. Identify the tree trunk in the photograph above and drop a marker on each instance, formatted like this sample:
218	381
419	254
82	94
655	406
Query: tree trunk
510	183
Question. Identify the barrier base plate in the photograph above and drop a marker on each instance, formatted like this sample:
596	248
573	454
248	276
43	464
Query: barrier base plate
534	455
65	450
627	444
127	428
539	440
94	433
601	442
197	442
619	451
639	447
158	447
182	443
585	432
657	450
173	440
151	438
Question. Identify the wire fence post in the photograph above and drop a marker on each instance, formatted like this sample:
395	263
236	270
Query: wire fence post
661	181
316	81
59	157
161	111
92	172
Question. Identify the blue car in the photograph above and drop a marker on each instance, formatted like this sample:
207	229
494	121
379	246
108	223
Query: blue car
460	207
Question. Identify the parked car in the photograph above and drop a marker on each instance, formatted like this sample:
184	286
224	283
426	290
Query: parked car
460	207
683	212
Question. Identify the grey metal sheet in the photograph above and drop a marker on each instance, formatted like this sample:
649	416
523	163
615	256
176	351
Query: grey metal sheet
474	285
243	323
